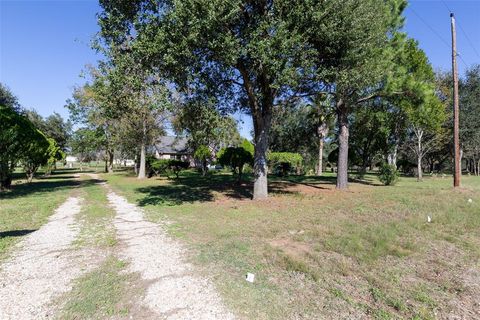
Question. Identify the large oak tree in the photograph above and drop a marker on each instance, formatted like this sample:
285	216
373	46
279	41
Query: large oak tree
256	54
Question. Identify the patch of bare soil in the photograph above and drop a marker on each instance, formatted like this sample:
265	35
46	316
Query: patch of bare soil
291	247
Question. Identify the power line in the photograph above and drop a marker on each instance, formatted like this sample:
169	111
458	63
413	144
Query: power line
468	40
431	28
445	4
437	34
461	59
463	31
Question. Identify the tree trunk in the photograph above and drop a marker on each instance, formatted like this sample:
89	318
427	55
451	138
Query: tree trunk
392	156
342	163
142	170
261	109
419	168
29	176
262	127
320	156
322	132
240	173
365	163
5	176
110	161
5	183
204	168
135	165
419	152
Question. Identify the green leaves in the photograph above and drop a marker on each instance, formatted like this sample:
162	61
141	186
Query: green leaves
202	154
203	124
284	162
166	166
38	153
19	141
236	158
470	111
388	174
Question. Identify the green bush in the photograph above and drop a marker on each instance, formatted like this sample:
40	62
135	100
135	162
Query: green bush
388	174
283	163
165	166
175	166
157	167
235	158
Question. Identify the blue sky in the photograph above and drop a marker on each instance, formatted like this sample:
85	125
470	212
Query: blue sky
44	45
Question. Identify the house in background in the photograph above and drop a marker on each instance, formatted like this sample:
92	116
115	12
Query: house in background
71	159
170	147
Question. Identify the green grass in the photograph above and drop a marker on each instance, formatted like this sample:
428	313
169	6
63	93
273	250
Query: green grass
372	243
98	294
27	206
95	216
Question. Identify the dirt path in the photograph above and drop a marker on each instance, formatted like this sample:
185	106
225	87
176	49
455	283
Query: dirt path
173	290
42	267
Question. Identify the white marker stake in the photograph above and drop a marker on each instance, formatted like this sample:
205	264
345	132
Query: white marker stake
250	277
429	219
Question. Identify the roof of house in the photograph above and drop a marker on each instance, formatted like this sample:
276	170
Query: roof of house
172	145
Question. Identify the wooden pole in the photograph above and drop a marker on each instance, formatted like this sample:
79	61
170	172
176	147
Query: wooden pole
456	139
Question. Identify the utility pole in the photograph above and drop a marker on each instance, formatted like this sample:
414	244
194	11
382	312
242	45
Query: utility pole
456	139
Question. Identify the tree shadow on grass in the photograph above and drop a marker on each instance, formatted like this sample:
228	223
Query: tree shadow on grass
56	177
61	179
367	180
38	186
325	182
191	188
16	233
172	195
317	182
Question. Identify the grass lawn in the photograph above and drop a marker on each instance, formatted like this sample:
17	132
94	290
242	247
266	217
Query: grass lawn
27	206
316	252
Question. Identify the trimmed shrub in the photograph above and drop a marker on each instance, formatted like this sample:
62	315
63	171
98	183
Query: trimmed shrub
158	167
284	163
388	174
176	166
235	158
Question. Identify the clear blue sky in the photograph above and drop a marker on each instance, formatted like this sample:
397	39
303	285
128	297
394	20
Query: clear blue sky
44	45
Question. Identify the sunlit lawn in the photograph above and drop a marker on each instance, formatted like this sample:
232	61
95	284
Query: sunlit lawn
321	253
27	206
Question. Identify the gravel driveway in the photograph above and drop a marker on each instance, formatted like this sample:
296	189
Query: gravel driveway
174	290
